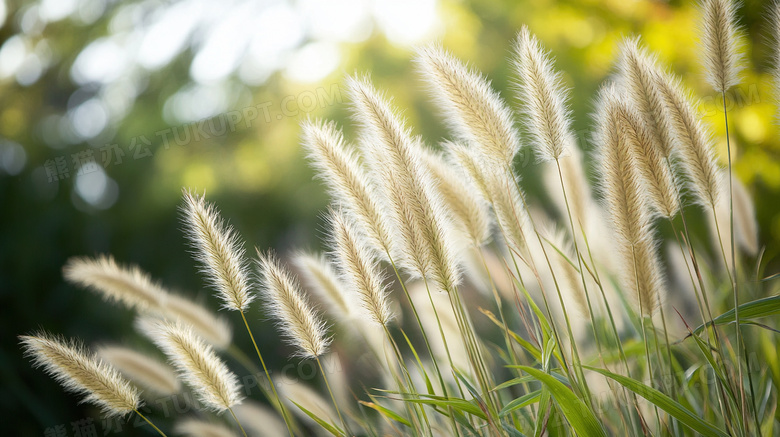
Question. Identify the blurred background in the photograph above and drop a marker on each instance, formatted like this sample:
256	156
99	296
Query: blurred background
108	108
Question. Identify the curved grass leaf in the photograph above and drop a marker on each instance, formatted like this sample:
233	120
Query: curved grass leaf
685	416
390	414
579	415
768	306
330	428
521	402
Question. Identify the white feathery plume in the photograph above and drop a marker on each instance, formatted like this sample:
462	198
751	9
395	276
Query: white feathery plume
346	179
626	205
136	289
638	74
468	211
720	43
542	98
693	140
301	326
319	274
651	166
149	373
419	221
196	364
360	271
83	373
475	112
126	284
219	250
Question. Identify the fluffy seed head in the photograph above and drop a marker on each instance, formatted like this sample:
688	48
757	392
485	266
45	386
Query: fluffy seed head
219	250
126	284
542	98
196	364
82	373
474	111
652	167
149	373
638	74
720	43
466	208
692	139
348	184
319	274
419	221
360	271
301	326
626	205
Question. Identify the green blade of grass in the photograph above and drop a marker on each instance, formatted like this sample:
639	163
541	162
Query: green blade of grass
579	415
672	407
330	428
768	306
520	402
390	414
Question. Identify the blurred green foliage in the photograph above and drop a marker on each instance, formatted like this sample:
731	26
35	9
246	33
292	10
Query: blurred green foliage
257	174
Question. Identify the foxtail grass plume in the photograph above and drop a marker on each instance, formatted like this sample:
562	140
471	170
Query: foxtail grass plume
220	252
720	43
126	284
352	189
626	204
152	375
301	326
652	167
419	221
197	364
319	274
542	98
638	75
693	141
83	373
135	289
474	111
360	271
466	207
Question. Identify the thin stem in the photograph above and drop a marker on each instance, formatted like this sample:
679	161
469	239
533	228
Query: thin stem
237	421
282	409
734	268
419	323
333	398
582	273
150	423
